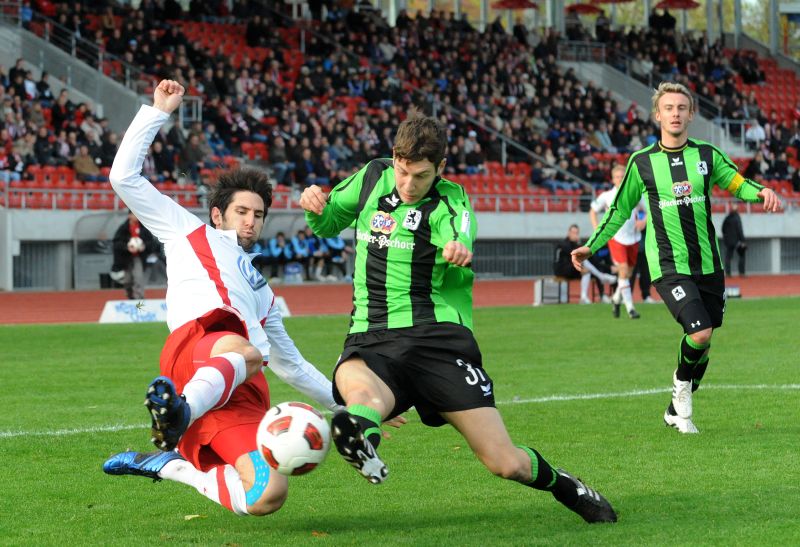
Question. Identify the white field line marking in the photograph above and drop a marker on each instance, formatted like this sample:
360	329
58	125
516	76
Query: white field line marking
547	399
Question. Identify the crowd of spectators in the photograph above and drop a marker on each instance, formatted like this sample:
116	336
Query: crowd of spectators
326	115
40	128
304	257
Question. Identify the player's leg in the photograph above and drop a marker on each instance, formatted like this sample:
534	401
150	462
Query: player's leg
246	487
683	298
484	430
624	258
220	361
356	431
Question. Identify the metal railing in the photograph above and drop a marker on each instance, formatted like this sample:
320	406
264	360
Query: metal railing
84	50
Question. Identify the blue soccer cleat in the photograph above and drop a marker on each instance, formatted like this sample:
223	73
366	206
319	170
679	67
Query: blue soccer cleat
169	413
139	463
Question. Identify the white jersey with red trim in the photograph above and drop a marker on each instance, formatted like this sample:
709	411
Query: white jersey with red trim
627	234
206	267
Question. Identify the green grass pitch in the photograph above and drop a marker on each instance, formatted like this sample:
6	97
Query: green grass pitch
586	390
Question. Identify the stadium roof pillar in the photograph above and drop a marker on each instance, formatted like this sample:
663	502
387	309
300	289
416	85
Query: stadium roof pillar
737	22
774	27
647	8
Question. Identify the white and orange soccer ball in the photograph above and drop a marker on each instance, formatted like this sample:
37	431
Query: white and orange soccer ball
293	438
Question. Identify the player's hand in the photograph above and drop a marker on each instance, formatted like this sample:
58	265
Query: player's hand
772	204
457	253
168	96
579	255
396	422
313	199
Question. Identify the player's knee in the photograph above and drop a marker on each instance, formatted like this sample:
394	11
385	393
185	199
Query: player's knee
254	360
702	337
503	467
268	505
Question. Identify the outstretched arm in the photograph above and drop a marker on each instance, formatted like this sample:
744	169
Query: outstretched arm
161	215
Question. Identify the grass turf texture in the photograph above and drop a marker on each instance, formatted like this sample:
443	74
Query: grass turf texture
735	483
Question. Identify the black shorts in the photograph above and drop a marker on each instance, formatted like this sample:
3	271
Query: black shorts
696	302
434	368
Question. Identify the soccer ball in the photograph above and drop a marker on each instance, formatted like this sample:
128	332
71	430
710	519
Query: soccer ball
293	438
135	245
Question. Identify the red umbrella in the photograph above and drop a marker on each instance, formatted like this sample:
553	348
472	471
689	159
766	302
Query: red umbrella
678	4
515	4
584	9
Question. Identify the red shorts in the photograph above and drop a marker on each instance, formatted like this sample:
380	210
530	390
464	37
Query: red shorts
223	434
623	254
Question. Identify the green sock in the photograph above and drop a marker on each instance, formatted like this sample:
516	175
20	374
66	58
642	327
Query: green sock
543	476
690	354
370	421
699	371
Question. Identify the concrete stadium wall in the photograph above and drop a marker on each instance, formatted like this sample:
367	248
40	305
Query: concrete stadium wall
63	229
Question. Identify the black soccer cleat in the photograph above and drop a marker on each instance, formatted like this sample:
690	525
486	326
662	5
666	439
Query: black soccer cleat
633	314
169	414
356	449
591	505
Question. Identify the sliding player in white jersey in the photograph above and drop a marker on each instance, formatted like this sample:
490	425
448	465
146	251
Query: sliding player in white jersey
224	329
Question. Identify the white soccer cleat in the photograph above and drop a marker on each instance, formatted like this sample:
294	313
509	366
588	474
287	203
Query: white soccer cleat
684	425
608	278
585	300
682	396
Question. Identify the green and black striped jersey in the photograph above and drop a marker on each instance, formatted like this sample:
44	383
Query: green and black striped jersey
677	185
400	278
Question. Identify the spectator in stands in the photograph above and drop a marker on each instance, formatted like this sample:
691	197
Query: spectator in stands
780	168
11	165
108	148
85	167
43	151
192	158
302	252
603	138
279	161
474	160
758	167
132	244
61	112
308	172
339	256
280	252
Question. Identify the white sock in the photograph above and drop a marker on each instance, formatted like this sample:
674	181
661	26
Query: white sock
222	484
592	269
586	279
212	384
624	287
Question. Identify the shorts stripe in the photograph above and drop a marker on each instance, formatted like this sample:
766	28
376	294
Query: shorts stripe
222	489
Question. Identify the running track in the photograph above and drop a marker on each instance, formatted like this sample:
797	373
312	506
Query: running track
315	299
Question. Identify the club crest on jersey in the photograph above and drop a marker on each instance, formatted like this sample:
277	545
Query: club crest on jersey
383	223
413	217
681	189
702	168
251	275
676	161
